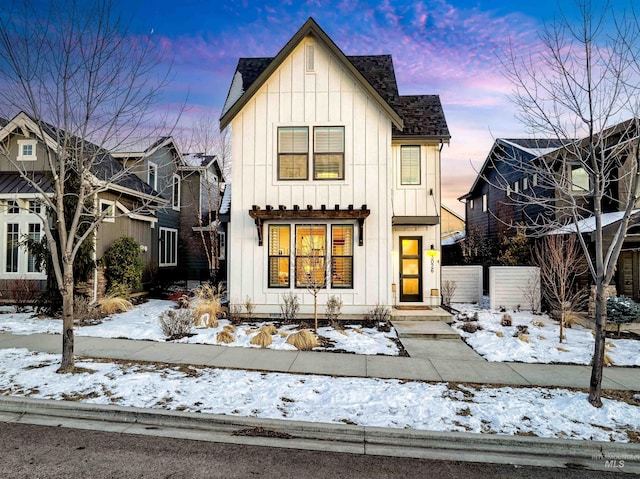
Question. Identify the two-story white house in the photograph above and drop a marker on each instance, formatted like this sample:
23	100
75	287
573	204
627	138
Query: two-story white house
330	161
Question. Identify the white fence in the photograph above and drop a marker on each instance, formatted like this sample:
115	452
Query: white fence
468	280
511	287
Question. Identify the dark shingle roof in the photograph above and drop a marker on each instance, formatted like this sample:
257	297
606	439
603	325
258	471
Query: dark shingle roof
12	183
536	143
423	116
250	69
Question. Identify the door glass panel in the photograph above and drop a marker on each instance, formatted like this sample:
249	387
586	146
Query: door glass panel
409	247
410	267
410	286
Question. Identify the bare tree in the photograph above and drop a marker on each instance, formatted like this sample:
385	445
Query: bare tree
312	267
211	145
561	262
579	84
86	86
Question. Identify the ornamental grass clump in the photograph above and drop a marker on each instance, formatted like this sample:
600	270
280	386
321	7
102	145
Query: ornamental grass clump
303	340
114	304
262	339
225	336
208	305
506	320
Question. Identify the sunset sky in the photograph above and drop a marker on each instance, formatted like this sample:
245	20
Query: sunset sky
446	47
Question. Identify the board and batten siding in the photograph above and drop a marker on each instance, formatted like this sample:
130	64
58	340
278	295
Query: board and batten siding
422	199
510	286
330	96
468	281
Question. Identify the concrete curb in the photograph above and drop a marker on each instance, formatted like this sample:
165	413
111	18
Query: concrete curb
486	448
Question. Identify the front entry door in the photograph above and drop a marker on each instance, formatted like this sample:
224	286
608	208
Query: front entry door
410	269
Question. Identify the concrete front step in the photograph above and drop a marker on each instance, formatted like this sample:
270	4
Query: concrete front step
424	329
434	314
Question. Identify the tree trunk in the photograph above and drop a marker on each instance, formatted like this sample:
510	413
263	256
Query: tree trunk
315	311
67	322
595	385
562	314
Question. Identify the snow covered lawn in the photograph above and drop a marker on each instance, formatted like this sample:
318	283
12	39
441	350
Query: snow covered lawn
142	323
498	343
544	412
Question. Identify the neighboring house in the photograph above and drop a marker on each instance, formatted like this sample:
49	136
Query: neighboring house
330	162
495	200
452	234
202	186
22	211
489	205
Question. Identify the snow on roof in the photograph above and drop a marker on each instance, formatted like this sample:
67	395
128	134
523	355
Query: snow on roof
225	204
588	225
453	238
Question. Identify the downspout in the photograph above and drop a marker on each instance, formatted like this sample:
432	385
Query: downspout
94	254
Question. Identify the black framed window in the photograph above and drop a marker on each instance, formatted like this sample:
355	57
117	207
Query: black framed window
328	153
410	165
279	256
311	270
293	153
342	256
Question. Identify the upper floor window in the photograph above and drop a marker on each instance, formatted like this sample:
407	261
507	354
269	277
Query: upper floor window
471	203
175	194
534	179
12	207
509	190
168	250
484	202
27	150
293	153
107	208
328	153
152	175
579	179
410	165
516	187
310	64
35	206
525	183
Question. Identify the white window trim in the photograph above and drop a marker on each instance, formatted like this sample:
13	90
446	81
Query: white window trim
154	167
22	143
485	201
525	183
310	57
173	192
23	218
160	246
110	217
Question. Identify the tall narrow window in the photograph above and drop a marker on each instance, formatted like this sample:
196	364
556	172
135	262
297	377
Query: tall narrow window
342	256
516	187
534	179
410	165
293	153
310	63
471	204
13	238
175	201
525	183
34	235
311	268
279	255
152	175
328	153
484	202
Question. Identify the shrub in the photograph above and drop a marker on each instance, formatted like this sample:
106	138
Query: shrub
229	327
621	310
262	339
269	329
448	290
22	293
235	311
523	337
506	320
333	308
113	304
208	306
176	324
378	317
303	340
83	310
290	307
123	263
470	327
249	306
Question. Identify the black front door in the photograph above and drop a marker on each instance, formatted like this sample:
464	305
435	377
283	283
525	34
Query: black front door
410	269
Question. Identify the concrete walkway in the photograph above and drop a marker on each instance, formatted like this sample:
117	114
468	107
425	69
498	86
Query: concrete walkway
431	360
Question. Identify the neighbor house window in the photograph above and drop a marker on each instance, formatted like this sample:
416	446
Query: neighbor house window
410	165
516	187
534	179
342	256
293	153
34	236
175	194
279	254
152	175
12	207
509	190
579	179
13	239
328	153
27	150
484	202
107	208
168	247
310	264
525	183
35	206
471	203
222	245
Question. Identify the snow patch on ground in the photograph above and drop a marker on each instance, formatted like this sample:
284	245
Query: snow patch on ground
544	412
497	343
142	323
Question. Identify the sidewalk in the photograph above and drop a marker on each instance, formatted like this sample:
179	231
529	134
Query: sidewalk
431	360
